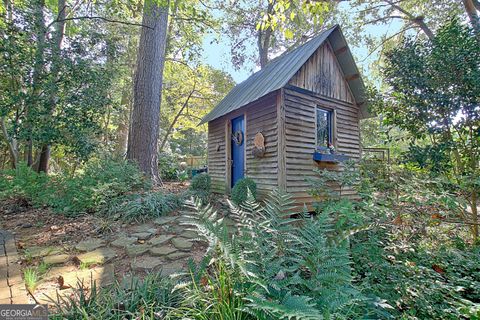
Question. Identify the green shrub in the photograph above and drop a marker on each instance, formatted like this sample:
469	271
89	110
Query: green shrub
274	267
153	297
201	182
100	181
141	207
240	190
24	183
168	166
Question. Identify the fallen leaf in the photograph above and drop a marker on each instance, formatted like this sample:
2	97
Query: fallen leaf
438	269
398	220
61	283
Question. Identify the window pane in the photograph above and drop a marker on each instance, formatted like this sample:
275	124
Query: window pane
323	128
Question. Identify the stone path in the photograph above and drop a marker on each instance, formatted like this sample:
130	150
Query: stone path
12	288
163	245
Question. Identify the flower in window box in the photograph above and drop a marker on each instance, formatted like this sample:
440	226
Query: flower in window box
331	148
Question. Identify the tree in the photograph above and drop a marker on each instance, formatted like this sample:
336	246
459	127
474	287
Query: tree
435	93
144	128
53	96
271	26
189	93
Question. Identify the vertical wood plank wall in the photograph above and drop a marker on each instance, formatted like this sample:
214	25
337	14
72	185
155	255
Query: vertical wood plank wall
261	116
322	74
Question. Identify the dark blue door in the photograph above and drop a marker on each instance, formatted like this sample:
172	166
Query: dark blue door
238	149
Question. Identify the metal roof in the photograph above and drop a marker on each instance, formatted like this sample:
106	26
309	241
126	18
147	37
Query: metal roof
280	70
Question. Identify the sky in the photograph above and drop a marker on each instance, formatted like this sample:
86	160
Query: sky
217	54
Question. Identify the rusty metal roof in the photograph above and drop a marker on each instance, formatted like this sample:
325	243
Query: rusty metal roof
280	70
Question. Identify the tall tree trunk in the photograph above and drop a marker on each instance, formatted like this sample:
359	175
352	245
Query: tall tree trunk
263	40
38	69
56	52
471	8
144	129
11	143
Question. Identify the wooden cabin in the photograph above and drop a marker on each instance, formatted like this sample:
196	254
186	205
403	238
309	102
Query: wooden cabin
270	126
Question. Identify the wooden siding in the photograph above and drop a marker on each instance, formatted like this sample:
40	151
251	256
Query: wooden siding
300	126
261	116
216	158
322	74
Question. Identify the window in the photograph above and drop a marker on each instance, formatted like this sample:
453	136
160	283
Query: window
324	127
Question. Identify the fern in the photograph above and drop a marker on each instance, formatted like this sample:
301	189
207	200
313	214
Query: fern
293	265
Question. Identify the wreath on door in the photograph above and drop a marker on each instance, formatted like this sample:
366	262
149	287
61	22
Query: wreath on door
237	137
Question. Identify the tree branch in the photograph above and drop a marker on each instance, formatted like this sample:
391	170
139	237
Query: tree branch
100	18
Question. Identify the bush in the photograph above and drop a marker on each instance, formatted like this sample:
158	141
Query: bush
24	183
100	181
141	207
274	267
131	299
201	182
168	166
240	190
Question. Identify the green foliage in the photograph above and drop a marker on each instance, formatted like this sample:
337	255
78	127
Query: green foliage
410	258
201	182
150	298
241	189
434	96
168	166
142	207
329	184
24	183
433	158
284	267
31	279
101	181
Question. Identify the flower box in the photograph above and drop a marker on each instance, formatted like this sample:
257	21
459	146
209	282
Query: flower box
329	157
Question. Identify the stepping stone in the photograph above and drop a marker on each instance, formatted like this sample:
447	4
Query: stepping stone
171	268
56	259
142	235
189	234
177	255
90	244
178	229
182	244
123	241
134	250
162	251
164	220
36	252
145	228
158	240
102	276
146	263
98	256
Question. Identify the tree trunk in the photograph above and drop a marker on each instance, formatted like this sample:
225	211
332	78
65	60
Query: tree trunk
11	143
263	40
56	52
474	203
471	9
38	69
144	129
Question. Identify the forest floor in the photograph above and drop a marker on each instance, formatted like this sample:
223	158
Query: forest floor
67	252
